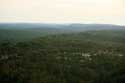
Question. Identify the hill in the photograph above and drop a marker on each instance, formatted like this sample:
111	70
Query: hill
84	57
29	31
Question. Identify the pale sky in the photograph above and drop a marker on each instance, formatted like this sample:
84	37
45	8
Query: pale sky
63	11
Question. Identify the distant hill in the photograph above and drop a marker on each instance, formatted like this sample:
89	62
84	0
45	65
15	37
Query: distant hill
28	31
67	26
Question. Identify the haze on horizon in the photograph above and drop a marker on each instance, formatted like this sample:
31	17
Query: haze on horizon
63	11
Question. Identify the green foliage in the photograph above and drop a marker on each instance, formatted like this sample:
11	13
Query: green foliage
86	57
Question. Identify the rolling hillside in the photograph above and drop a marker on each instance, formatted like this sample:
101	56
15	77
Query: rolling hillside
29	31
84	57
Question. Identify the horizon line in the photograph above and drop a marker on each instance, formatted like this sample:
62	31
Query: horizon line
61	23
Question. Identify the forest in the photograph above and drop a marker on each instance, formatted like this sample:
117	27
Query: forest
95	56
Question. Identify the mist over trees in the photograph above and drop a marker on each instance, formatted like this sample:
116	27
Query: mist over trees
94	56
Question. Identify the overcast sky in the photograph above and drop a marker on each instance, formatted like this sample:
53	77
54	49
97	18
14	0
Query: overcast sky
63	11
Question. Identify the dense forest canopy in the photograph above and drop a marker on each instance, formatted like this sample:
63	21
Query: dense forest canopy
60	55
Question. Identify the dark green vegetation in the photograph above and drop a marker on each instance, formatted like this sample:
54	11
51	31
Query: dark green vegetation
84	57
16	35
25	32
16	32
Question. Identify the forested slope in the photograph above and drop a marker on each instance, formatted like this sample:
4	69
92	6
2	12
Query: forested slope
85	57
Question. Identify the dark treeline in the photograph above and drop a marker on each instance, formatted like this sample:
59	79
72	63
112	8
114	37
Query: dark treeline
89	57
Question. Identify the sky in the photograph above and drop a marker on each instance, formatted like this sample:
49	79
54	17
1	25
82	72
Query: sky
63	11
